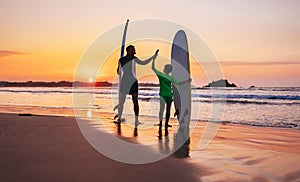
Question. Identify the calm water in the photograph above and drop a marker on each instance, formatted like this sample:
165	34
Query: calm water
277	107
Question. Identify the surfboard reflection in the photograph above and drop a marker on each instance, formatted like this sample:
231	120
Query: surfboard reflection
182	142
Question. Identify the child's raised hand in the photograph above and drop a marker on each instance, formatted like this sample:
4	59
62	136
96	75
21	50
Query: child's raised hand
155	55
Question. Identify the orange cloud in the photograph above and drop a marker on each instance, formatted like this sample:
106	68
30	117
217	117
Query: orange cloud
5	53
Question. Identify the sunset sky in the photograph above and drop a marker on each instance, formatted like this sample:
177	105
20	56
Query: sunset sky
256	42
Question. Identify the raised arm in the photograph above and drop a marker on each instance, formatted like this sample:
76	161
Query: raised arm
153	65
141	62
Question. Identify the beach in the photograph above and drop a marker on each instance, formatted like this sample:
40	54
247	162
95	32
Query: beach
52	148
225	71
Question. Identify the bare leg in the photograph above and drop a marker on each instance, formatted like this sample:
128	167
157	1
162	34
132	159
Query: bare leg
135	106
168	114
161	110
122	98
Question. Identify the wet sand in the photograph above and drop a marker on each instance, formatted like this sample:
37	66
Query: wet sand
249	153
50	148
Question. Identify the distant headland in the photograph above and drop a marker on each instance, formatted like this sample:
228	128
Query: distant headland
65	84
219	83
53	84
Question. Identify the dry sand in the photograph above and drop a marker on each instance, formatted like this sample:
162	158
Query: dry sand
49	148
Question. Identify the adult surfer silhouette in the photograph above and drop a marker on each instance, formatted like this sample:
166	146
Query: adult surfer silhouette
128	81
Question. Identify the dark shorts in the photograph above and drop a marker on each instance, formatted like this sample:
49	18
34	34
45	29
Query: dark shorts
129	87
166	99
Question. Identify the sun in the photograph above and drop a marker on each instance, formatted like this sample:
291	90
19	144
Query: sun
91	80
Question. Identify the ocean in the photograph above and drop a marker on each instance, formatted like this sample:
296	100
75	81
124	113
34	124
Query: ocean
259	106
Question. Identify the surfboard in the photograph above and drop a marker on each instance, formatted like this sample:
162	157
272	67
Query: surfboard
124	40
181	71
119	66
181	93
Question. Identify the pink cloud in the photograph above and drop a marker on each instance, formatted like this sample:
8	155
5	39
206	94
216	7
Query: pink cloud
248	63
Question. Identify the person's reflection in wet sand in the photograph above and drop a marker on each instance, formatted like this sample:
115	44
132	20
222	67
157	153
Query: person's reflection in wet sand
160	132
119	129
164	145
166	132
135	131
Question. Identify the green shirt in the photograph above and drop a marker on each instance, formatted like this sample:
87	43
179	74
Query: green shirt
165	81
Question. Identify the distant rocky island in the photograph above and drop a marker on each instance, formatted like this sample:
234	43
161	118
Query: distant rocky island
220	83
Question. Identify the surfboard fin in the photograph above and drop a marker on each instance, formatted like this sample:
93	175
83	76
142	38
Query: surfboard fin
176	113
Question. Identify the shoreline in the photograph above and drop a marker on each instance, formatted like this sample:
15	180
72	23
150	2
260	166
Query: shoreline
258	152
67	112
